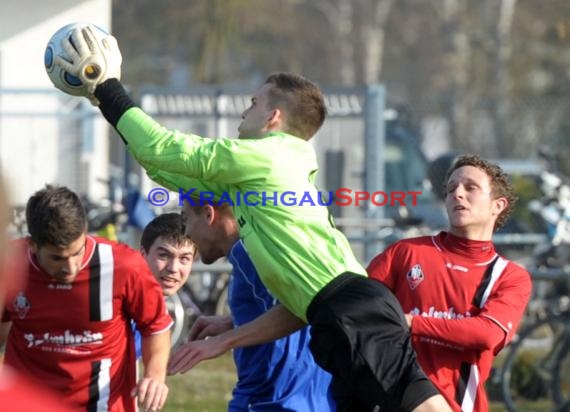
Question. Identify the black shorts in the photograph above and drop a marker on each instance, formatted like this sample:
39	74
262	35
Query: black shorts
359	335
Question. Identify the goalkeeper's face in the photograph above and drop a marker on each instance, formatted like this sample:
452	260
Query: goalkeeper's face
259	119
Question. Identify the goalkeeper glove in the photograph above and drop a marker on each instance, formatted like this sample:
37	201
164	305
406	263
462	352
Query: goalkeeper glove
90	58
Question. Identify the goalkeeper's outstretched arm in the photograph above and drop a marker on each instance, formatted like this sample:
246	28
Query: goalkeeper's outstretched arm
114	100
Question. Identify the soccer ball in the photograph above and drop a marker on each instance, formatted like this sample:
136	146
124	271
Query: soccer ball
61	79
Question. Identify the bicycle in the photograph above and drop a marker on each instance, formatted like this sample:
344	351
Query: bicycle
536	368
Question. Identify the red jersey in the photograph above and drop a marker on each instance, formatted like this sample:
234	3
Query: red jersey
468	301
76	338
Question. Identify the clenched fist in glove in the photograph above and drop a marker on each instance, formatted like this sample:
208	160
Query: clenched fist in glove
91	57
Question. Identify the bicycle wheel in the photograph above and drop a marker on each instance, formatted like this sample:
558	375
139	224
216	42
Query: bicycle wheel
530	370
176	310
561	367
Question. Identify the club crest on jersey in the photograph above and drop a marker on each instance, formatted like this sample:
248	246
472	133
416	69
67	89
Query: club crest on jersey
415	276
21	305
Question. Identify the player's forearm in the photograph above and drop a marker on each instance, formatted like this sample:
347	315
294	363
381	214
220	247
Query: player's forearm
478	332
155	353
274	324
114	100
165	154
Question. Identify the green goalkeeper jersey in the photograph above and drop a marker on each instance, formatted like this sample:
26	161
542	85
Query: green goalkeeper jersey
294	245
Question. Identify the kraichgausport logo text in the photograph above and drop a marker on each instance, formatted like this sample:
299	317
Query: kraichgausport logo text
340	197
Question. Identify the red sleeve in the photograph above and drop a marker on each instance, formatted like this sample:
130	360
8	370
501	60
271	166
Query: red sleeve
508	300
495	325
145	301
380	268
473	333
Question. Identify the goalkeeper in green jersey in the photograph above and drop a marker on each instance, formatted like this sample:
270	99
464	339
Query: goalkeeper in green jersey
359	333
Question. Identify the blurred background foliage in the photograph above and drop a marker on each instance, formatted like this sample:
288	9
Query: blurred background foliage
507	58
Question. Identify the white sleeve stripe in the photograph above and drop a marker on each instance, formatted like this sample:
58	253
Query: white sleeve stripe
505	329
158	332
497	322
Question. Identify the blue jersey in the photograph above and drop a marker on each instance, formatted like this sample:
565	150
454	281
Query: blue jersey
278	376
138	339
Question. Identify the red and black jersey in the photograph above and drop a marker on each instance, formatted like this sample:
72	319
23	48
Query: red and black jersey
468	301
77	338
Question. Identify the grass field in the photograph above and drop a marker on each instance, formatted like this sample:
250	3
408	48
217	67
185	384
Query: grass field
207	388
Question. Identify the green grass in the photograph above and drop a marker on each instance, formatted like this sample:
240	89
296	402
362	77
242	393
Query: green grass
206	388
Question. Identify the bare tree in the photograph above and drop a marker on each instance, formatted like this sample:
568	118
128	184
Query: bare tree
457	53
372	27
357	31
502	75
470	61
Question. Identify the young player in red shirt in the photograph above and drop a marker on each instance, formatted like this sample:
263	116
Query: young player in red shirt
463	301
70	324
18	394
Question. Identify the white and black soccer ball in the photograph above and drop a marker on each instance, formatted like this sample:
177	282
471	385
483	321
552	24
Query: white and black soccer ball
64	81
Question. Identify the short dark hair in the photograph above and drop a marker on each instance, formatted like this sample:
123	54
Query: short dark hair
169	227
56	216
197	205
500	182
302	100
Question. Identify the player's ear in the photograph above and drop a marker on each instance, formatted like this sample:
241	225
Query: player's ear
275	119
500	204
33	246
209	212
